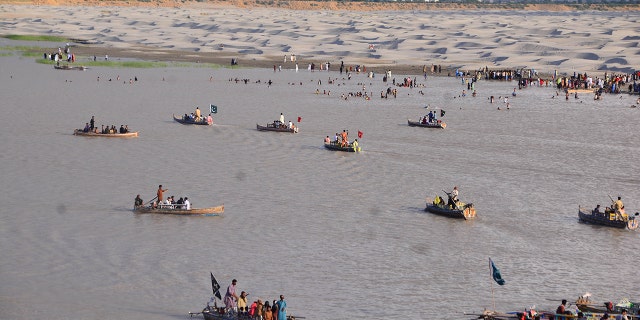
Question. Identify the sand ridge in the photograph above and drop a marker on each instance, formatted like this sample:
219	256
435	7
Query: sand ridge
467	39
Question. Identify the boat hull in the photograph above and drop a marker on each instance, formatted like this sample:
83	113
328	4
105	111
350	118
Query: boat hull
199	123
67	67
469	212
79	132
337	147
271	127
213	314
437	125
211	211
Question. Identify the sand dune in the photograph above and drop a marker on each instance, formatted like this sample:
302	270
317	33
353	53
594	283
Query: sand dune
546	41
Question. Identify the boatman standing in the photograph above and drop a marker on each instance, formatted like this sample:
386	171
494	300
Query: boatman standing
230	298
198	114
160	193
281	118
454	194
618	206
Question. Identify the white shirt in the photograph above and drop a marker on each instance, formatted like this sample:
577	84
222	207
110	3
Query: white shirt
187	205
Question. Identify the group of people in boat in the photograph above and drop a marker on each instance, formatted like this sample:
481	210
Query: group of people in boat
431	117
283	125
453	202
617	208
160	203
342	139
562	310
277	310
197	117
91	127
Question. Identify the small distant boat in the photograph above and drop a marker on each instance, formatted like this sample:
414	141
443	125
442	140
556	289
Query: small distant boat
68	67
183	120
607	219
460	210
438	124
80	132
277	126
336	146
177	210
466	212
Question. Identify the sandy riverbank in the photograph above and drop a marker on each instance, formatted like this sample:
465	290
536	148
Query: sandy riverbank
401	38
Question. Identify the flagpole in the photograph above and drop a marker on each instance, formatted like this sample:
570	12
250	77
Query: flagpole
492	296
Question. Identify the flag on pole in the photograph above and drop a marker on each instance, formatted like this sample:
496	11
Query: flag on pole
213	108
442	112
215	286
495	273
359	134
299	119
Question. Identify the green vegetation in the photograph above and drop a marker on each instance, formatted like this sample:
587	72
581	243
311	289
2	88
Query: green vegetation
36	38
113	64
135	64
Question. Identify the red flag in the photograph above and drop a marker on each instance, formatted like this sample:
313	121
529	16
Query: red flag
359	134
299	119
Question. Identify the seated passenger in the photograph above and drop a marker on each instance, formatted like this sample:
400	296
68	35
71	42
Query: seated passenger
596	210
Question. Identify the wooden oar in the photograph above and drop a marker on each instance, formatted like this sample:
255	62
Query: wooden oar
144	205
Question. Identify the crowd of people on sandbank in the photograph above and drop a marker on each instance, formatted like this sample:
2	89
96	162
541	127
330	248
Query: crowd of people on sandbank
90	127
608	83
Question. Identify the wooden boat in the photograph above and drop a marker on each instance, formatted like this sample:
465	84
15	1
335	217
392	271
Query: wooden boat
466	211
219	313
68	67
337	147
202	122
80	132
608	307
165	209
276	126
438	124
461	211
607	219
213	313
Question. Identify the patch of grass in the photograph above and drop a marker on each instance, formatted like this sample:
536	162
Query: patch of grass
21	48
36	38
31	54
113	64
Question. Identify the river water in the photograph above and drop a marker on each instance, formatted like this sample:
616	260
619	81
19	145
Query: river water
341	235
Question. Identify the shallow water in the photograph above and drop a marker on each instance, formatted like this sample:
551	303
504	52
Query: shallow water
342	236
